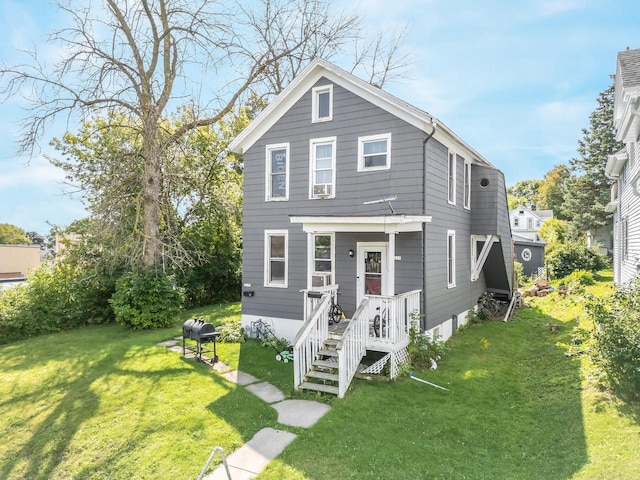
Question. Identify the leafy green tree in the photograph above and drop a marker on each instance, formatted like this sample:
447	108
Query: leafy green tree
553	231
587	190
12	235
526	191
550	194
137	60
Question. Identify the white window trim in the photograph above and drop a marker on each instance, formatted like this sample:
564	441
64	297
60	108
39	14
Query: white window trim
267	192
467	185
373	138
267	257
311	254
451	175
451	282
315	105
312	162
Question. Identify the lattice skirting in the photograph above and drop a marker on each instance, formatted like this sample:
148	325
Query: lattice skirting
396	358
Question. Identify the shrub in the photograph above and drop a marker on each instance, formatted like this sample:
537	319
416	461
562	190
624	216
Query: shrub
578	278
147	300
521	277
422	349
568	258
54	298
614	343
232	333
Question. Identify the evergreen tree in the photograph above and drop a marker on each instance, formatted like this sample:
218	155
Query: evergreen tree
588	189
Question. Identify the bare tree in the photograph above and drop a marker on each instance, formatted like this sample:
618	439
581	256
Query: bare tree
139	58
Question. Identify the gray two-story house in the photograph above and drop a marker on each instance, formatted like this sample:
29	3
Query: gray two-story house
349	189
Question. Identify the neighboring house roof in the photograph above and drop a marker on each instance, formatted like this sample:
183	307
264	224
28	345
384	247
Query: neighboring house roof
629	61
520	239
319	68
627	93
541	215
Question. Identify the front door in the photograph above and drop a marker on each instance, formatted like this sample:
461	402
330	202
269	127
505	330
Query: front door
372	270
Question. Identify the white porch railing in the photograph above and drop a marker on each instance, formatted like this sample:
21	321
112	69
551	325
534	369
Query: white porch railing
390	318
312	297
311	336
352	347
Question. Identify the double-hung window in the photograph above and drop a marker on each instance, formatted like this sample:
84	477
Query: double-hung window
451	258
322	103
467	185
451	176
322	167
276	255
374	152
322	255
277	179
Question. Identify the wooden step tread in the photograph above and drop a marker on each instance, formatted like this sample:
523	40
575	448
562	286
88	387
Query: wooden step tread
320	387
328	352
331	342
322	375
324	364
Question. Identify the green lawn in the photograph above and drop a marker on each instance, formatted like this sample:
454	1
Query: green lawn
105	402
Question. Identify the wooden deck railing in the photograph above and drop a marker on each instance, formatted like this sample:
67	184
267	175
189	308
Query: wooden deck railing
311	336
390	317
352	347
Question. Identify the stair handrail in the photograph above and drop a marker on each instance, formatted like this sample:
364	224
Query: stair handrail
352	347
213	454
310	339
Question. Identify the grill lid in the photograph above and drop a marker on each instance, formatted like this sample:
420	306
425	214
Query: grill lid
196	328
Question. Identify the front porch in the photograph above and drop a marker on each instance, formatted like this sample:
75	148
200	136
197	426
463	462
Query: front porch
326	358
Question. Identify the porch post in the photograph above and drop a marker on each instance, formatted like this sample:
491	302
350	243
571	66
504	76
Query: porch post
391	265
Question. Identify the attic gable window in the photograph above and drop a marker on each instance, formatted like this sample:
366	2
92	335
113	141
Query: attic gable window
322	104
374	152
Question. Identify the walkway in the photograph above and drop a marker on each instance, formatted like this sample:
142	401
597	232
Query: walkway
250	459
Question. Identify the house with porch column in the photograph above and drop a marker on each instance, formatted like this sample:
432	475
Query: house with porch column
354	196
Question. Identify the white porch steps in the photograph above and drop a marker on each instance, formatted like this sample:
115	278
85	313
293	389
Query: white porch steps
323	375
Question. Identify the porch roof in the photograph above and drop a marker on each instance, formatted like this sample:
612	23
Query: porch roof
361	223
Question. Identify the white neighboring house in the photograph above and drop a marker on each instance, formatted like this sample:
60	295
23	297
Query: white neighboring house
623	168
526	222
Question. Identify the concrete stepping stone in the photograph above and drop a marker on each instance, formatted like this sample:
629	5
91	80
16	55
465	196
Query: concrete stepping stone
167	343
300	413
250	459
266	392
241	378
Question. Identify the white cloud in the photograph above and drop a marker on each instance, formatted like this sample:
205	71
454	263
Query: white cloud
38	172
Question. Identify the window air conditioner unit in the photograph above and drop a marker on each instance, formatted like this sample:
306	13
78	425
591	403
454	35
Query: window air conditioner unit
320	280
322	190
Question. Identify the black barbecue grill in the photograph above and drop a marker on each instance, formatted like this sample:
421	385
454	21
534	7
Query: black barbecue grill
204	334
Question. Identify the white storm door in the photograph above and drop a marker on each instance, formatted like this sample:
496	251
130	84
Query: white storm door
372	271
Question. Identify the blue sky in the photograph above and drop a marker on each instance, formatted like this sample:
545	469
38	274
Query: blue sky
515	80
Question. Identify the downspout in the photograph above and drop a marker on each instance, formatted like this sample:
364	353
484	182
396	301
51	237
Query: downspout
423	320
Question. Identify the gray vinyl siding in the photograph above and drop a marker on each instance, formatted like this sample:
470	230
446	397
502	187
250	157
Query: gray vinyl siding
629	208
443	302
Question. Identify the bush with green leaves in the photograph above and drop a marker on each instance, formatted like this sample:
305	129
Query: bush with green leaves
578	278
55	297
147	300
231	333
613	344
423	349
567	258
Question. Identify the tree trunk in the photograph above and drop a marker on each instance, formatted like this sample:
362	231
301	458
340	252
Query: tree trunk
151	196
